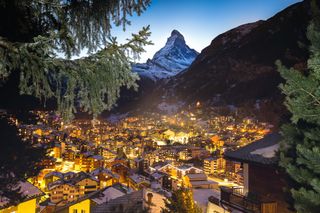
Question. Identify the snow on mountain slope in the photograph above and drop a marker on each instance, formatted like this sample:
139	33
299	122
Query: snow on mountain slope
170	60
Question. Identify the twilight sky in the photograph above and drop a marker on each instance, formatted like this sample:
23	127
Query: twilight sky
198	20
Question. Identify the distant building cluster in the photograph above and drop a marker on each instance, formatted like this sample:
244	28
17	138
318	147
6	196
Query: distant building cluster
95	165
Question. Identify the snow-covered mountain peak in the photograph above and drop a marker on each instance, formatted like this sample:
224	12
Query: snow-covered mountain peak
176	38
176	33
174	42
174	57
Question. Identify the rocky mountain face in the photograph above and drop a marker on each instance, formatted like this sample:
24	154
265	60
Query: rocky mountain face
170	60
238	67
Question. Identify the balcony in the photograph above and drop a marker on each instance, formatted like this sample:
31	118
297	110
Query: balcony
248	203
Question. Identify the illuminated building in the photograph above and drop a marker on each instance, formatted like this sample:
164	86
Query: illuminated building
138	201
28	204
138	165
185	155
71	187
138	182
262	178
107	153
214	165
87	162
122	170
199	181
105	177
52	177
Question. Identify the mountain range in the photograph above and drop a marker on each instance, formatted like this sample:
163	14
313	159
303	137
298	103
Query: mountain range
238	68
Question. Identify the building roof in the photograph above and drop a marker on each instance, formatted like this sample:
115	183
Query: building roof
197	176
59	209
97	157
201	196
107	194
139	179
261	151
212	158
72	181
100	170
127	201
159	165
26	189
202	182
134	201
157	175
54	173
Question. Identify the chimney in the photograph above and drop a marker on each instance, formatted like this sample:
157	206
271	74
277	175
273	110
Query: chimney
149	198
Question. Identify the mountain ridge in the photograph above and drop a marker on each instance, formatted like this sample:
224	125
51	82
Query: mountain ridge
238	67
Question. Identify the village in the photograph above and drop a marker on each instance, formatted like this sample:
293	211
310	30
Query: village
159	153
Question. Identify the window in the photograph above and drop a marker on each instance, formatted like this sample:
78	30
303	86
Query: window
75	211
83	211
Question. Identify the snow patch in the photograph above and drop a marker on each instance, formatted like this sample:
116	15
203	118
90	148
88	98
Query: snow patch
115	118
267	152
169	108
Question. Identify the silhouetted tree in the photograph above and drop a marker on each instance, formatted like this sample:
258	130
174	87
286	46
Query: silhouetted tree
300	147
181	201
32	32
19	160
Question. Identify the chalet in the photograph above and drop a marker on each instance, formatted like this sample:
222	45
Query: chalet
163	179
105	177
122	170
263	180
138	182
28	204
85	203
214	165
199	181
71	187
138	201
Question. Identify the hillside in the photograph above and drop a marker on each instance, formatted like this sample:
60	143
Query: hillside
238	67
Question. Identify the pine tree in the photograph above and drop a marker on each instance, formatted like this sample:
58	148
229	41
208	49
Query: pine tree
181	201
300	147
32	32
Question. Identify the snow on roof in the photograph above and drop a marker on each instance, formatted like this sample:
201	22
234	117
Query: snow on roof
197	176
201	196
104	171
54	173
107	195
26	189
267	152
138	178
157	175
155	185
98	157
132	200
250	154
202	182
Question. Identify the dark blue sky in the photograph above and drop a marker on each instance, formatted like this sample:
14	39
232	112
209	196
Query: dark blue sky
199	20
